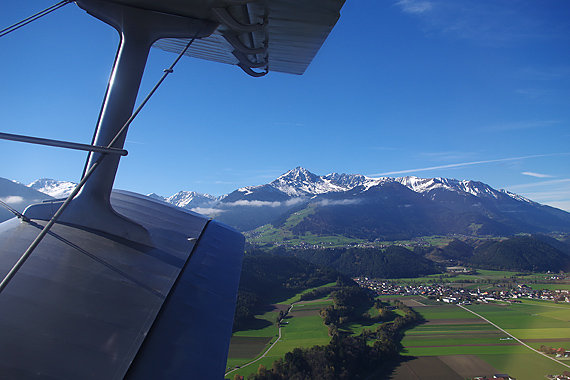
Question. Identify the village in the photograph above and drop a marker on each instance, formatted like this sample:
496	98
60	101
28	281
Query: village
473	293
462	296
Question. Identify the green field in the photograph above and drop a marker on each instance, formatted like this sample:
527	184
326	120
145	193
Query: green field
550	286
303	327
297	297
450	330
448	333
482	276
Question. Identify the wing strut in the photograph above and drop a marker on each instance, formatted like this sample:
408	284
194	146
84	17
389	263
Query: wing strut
139	29
90	171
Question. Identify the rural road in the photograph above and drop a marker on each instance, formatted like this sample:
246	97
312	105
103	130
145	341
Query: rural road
266	351
514	337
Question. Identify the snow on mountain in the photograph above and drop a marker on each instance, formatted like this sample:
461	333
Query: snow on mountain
52	187
350	181
347	181
301	182
190	199
18	196
517	197
247	190
424	185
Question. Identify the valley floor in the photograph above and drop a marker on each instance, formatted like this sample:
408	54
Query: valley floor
462	345
452	343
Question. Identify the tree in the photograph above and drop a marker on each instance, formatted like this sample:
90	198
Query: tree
261	370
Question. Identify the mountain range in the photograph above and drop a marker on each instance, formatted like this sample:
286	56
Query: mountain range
362	207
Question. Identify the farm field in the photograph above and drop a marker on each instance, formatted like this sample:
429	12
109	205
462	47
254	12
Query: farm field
485	279
303	327
481	275
451	335
553	286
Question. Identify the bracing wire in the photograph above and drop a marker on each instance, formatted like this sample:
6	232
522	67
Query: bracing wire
33	17
47	227
13	211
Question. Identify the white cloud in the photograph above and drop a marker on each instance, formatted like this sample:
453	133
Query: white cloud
462	164
12	199
541	183
555	193
447	155
207	210
531	93
537	175
521	125
493	23
255	203
294	201
415	6
545	73
563	205
550	195
340	202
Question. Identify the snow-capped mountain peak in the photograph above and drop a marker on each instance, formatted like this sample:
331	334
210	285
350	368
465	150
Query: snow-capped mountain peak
424	185
52	187
299	174
190	199
301	182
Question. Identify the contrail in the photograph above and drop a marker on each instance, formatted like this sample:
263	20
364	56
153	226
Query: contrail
466	164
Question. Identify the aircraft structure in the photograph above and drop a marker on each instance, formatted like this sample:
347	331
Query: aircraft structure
110	284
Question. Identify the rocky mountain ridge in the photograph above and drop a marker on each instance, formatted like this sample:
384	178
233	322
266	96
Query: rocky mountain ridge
363	207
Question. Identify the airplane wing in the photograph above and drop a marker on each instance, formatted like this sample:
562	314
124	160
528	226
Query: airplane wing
275	35
124	286
90	305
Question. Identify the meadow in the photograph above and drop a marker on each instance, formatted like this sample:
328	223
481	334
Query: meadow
452	342
303	327
450	331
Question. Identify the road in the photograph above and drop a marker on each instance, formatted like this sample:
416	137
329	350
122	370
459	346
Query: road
266	351
514	337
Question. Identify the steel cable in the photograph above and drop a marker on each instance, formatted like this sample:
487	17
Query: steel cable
33	17
86	176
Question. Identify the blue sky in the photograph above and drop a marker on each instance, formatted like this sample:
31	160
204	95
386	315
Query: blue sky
445	88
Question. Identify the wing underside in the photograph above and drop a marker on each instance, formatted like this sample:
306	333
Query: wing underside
273	35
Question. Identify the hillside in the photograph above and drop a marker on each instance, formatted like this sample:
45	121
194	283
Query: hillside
349	221
520	253
267	278
299	204
392	262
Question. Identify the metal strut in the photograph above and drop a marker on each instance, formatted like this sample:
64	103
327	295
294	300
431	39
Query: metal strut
224	17
84	180
241	51
62	144
13	211
138	29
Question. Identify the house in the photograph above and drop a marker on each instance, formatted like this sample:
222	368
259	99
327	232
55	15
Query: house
503	376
